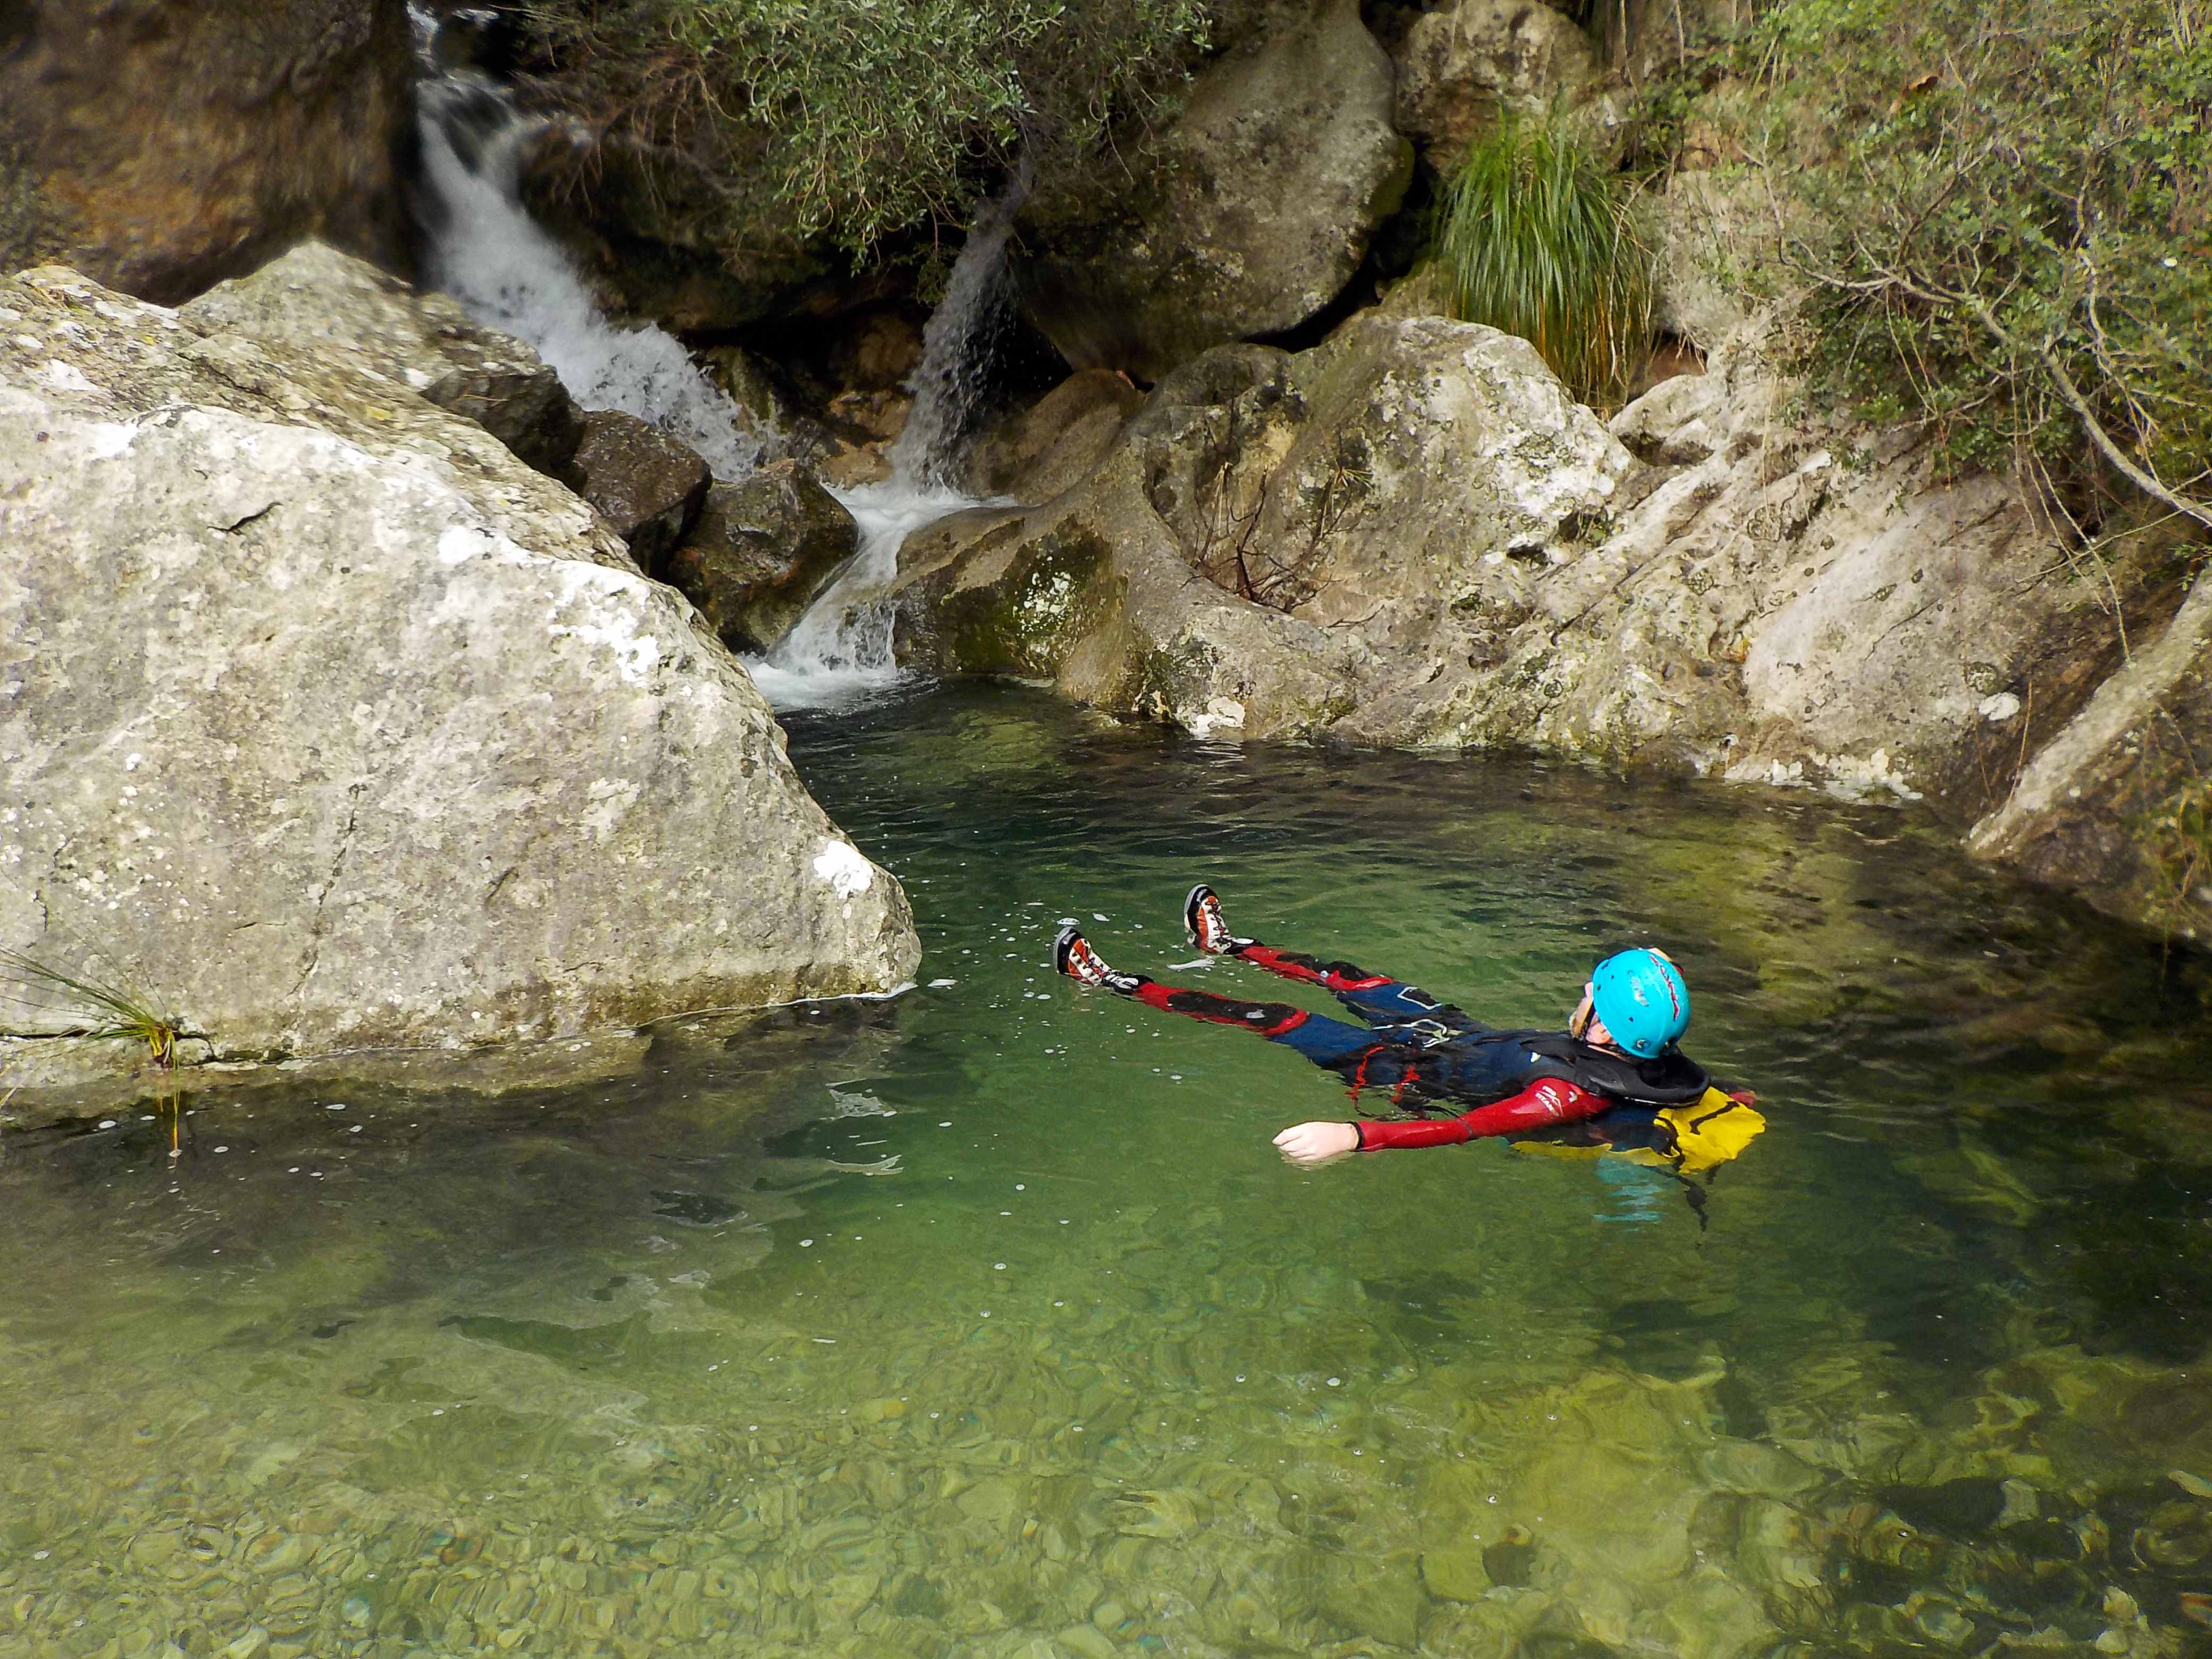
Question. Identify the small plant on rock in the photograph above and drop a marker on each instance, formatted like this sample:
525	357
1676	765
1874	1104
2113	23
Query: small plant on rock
1536	240
98	1008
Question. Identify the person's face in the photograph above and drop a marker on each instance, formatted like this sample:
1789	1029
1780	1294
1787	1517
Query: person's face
1585	1026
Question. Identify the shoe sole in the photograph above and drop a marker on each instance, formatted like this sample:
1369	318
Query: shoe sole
1062	947
1190	914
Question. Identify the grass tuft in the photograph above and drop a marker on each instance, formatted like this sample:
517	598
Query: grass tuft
1535	239
99	1008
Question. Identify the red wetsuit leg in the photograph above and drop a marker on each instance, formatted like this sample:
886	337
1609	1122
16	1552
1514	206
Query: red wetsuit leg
1548	1101
1268	1019
1310	970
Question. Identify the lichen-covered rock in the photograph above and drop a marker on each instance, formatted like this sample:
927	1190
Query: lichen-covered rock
647	485
1244	218
1787	604
327	730
1459	68
1411	535
761	549
318	299
1276	541
162	145
150	358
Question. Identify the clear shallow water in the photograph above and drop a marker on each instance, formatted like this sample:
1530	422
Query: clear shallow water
986	1321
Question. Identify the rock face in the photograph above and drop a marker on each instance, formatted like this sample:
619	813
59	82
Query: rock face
328	723
695	252
162	145
1458	68
2115	805
1054	444
316	300
1244	218
760	550
1279	544
1409	535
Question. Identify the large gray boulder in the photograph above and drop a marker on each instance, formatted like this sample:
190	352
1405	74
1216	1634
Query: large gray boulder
325	723
1245	216
316	299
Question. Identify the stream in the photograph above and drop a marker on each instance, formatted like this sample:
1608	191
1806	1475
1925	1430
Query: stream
985	1320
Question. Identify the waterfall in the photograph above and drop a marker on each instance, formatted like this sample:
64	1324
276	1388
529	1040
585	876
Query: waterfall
842	648
488	253
948	387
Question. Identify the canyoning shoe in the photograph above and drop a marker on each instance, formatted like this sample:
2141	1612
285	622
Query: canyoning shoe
1205	926
1072	955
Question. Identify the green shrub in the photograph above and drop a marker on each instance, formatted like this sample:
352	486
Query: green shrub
1535	239
863	118
2003	209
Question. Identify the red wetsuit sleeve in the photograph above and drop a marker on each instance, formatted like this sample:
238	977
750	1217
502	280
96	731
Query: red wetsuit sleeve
1550	1100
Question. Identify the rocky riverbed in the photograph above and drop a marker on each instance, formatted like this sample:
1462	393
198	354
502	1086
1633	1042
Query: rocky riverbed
986	1319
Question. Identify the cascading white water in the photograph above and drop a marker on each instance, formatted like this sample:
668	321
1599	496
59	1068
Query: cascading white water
948	385
842	648
488	253
507	273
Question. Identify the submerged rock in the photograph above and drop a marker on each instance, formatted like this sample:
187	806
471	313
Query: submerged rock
328	724
1245	217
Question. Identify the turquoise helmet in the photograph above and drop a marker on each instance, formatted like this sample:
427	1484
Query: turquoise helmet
1640	996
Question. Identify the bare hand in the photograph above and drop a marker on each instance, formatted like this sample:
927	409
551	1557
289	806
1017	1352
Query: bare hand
1317	1143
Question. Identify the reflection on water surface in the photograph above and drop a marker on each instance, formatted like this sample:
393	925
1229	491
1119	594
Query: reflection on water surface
987	1321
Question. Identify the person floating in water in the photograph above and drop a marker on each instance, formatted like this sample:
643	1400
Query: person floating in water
1618	1054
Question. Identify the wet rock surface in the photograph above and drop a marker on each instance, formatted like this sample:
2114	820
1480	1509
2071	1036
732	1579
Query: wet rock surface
303	667
647	486
690	250
759	552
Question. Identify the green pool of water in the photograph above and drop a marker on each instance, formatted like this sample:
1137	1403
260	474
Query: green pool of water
986	1321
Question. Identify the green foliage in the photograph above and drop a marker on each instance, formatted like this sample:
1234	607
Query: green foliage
2004	210
97	1007
100	1008
1536	240
865	117
2176	840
